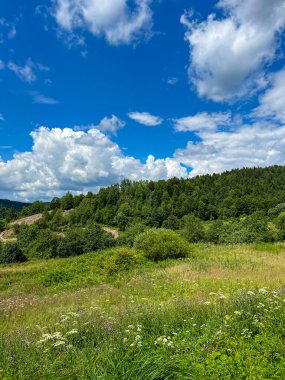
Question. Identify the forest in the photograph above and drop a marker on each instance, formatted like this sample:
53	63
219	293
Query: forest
240	206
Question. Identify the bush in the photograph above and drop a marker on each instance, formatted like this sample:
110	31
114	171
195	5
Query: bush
71	245
44	246
250	229
95	239
121	259
129	235
214	231
192	229
161	244
11	253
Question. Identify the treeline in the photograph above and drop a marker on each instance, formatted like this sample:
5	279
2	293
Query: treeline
219	196
240	206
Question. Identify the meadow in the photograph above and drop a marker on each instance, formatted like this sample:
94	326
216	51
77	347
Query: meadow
218	313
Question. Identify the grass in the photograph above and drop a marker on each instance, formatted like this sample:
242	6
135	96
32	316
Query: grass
219	313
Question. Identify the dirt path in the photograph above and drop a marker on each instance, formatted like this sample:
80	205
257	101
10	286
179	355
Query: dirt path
29	220
113	232
6	235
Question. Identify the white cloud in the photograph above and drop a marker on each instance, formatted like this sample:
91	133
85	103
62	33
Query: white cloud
172	81
272	103
7	30
2	117
39	98
2	65
228	54
145	118
110	125
203	121
259	144
63	160
25	73
116	20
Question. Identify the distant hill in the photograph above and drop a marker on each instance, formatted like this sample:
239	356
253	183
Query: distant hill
18	206
218	196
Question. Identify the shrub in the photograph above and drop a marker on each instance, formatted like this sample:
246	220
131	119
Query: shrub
44	246
192	229
2	225
250	229
71	245
129	235
11	253
95	239
161	244
214	231
172	223
121	259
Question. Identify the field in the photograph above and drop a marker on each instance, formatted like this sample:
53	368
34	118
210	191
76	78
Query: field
217	314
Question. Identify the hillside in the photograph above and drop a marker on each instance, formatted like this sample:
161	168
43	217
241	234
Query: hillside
175	279
218	314
18	206
219	196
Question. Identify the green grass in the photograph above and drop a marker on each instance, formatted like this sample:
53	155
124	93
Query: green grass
218	314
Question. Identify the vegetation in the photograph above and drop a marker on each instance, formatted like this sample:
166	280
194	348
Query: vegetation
161	244
179	279
217	314
11	253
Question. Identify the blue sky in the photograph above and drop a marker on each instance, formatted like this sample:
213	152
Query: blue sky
92	91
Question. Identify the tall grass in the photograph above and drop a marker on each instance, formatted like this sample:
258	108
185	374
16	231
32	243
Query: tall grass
218	315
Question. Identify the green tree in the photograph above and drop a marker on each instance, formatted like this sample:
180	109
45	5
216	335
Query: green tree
11	253
192	229
162	244
67	202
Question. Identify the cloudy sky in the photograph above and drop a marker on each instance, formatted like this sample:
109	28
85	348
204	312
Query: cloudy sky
94	91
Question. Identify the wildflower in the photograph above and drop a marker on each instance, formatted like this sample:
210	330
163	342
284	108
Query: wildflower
72	332
250	293
207	303
59	343
262	291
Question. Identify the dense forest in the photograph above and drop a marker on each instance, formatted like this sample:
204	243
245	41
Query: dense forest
10	209
239	206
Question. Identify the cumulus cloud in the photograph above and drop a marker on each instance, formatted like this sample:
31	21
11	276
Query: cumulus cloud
272	103
203	121
116	20
65	159
145	118
228	54
111	125
244	145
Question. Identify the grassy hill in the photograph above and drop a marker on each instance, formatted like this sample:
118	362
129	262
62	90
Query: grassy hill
172	295
218	313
